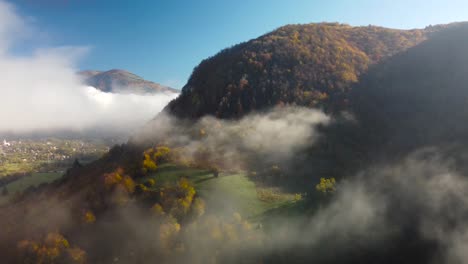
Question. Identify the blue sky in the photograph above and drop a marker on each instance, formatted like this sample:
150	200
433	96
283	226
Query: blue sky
162	40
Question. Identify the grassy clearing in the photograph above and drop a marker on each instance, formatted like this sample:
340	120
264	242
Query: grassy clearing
34	180
168	174
275	194
11	168
228	193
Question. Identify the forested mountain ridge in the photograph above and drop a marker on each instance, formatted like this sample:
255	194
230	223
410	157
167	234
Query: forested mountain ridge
311	65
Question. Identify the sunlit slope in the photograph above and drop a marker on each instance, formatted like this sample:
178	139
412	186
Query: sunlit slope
230	192
312	65
121	81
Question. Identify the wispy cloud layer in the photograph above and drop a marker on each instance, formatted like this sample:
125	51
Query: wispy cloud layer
41	92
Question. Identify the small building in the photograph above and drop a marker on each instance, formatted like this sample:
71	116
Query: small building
6	143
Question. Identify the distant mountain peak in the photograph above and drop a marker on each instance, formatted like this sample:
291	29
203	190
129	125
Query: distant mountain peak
122	81
88	73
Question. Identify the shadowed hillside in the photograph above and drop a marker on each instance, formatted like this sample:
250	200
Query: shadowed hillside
418	98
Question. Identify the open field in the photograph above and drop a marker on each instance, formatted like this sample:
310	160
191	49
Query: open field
228	193
35	179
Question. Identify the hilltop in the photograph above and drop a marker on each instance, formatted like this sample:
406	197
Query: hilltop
121	81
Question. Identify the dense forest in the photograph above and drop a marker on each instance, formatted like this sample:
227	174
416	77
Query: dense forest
311	65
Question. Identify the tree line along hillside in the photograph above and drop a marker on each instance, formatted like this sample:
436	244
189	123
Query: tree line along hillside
310	65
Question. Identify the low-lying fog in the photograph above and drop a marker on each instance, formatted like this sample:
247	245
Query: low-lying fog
41	92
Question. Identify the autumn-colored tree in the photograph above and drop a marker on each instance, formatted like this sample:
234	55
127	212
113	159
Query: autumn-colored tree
322	60
326	185
129	184
161	153
89	217
148	164
186	193
121	186
168	232
150	183
154	156
141	189
53	248
113	178
157	210
76	255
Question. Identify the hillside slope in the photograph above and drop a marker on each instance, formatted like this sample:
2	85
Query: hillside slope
121	81
311	65
418	98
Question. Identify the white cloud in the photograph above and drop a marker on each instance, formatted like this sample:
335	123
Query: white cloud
41	92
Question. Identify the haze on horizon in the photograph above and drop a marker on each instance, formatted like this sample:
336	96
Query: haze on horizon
41	92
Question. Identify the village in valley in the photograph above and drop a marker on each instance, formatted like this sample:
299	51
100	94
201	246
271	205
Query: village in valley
50	154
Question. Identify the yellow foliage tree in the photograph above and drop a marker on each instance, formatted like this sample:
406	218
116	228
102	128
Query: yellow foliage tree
111	179
157	210
153	156
77	255
121	185
89	217
129	184
161	153
150	183
54	248
168	232
326	185
148	164
56	240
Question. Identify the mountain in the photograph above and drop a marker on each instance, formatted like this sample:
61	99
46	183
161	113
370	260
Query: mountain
405	90
311	65
121	81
